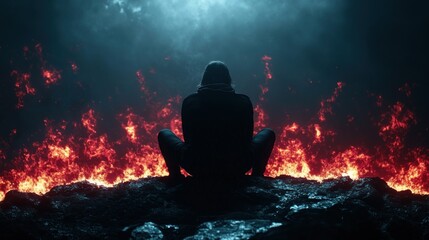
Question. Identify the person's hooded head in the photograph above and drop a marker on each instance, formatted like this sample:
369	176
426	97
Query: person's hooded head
216	73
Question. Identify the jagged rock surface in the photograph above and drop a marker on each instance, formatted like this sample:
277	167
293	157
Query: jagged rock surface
252	208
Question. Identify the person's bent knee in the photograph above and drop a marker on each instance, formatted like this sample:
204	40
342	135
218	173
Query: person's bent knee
163	133
270	133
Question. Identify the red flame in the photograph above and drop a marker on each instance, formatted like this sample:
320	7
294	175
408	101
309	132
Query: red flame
49	74
326	105
91	155
261	118
22	87
295	155
300	151
318	133
89	121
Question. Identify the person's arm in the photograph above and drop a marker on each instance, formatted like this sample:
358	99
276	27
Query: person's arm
248	125
186	121
185	126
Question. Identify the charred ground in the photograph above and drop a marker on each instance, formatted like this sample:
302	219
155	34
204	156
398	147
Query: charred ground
257	208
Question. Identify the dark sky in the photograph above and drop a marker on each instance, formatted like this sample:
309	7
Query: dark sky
375	47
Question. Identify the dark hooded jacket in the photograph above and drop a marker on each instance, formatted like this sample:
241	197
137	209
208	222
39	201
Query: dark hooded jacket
217	127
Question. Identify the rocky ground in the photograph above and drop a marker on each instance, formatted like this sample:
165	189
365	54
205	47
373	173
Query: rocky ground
255	208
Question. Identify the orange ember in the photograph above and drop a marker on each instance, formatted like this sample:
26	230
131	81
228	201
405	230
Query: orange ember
51	76
74	67
22	87
300	151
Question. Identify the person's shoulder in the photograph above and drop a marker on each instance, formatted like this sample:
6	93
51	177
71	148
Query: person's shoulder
242	96
190	98
243	101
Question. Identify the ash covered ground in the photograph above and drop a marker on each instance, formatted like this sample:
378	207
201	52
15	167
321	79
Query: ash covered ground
252	208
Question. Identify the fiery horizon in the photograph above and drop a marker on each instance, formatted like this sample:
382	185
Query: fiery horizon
71	151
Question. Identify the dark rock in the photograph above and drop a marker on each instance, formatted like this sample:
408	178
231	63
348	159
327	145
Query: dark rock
340	184
400	228
147	231
232	229
258	208
80	188
333	223
20	199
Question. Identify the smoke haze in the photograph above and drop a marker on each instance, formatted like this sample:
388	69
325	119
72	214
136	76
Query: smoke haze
374	47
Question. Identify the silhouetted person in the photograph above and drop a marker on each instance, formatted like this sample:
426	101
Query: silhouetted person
218	132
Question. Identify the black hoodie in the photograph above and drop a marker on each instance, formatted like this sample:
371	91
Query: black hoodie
217	127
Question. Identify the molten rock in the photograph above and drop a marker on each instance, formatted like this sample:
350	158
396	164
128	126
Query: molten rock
257	208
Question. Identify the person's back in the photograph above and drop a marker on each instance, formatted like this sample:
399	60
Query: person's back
218	124
217	128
